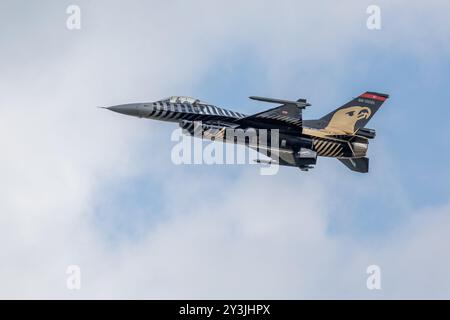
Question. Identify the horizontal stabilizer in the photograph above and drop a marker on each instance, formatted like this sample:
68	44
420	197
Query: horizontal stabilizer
357	164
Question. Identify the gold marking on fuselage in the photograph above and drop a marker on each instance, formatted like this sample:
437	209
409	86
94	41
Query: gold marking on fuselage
324	150
323	140
321	133
338	151
328	150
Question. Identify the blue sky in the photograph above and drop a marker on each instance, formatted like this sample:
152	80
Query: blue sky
96	189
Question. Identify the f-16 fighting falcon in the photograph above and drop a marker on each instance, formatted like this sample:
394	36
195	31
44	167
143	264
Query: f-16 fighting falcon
340	134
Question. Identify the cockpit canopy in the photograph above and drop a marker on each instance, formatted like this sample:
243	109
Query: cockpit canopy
183	99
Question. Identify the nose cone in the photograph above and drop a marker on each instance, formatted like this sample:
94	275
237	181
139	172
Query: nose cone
127	109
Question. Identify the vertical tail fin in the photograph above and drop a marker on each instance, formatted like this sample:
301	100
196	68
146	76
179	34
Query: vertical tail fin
354	114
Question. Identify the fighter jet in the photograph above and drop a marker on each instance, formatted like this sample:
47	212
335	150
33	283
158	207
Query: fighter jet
340	134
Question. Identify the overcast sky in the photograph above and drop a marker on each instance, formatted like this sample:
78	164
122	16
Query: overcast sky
88	187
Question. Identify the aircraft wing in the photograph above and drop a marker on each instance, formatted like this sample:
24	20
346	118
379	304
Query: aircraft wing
357	164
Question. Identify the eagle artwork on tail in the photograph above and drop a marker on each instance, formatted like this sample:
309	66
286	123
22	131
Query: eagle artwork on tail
340	134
